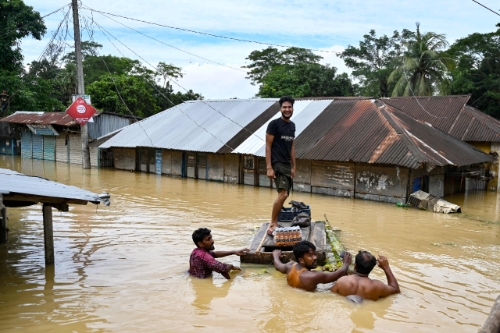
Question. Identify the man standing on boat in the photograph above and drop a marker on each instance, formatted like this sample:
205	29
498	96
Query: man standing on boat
202	261
300	274
361	285
280	156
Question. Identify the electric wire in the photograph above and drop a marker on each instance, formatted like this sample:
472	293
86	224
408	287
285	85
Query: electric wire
491	10
206	33
106	32
46	15
414	96
159	41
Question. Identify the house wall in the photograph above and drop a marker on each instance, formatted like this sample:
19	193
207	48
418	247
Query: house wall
177	163
231	168
75	148
124	158
215	166
263	180
494	184
166	162
332	178
9	146
62	148
381	183
302	180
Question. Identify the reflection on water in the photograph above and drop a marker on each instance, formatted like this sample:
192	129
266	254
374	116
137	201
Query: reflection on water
123	268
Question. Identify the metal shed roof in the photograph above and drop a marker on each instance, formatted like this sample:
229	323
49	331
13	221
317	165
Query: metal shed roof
451	115
370	132
15	186
206	126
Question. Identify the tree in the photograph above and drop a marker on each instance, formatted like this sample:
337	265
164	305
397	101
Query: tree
295	72
268	59
478	70
374	60
305	80
17	21
423	67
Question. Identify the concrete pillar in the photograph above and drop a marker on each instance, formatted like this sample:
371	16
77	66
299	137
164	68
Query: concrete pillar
48	234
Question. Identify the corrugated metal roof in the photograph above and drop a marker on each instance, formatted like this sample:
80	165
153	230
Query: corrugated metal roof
12	182
304	112
451	115
356	130
205	126
42	118
362	131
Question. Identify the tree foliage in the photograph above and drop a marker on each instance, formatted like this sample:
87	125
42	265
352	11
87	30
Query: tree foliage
373	61
17	21
478	70
423	67
295	72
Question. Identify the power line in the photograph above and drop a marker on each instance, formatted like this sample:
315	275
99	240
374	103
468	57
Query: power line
206	33
22	25
105	33
491	10
159	41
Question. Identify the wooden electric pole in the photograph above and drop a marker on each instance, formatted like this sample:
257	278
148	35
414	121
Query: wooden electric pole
80	83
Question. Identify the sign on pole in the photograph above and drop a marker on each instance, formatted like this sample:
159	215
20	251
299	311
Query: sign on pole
80	111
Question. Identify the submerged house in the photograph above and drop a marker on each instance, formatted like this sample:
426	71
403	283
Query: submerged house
452	115
352	147
55	136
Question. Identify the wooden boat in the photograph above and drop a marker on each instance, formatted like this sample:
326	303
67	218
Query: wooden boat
263	245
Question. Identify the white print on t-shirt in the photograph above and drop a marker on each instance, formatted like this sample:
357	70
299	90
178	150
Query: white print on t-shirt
286	138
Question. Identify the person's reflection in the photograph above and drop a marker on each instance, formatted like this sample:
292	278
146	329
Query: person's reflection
206	290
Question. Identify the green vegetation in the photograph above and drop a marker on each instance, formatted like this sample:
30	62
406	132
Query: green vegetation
406	63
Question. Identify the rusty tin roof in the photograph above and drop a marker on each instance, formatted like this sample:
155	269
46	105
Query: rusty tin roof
450	114
371	132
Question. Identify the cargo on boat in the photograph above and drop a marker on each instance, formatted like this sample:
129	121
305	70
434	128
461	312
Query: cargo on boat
263	253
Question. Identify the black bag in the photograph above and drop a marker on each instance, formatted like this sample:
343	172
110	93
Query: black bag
302	220
297	206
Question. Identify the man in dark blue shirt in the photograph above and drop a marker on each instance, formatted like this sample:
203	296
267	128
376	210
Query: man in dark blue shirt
280	156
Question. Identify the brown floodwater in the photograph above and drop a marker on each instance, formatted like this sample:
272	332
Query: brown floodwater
123	268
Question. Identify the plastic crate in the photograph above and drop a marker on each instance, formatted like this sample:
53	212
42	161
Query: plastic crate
286	214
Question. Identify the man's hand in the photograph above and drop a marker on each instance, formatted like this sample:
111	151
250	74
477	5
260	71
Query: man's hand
242	252
277	254
382	262
270	173
293	173
347	259
234	268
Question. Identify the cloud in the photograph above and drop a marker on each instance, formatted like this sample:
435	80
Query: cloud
322	24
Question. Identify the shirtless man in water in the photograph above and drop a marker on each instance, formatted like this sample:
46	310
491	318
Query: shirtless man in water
300	275
361	285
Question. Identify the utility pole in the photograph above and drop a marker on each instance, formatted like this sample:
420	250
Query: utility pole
80	83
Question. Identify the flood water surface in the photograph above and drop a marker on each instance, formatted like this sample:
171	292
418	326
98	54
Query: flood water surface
123	268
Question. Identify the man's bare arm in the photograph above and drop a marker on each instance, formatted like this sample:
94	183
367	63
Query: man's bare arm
280	267
321	277
269	144
392	286
292	157
220	254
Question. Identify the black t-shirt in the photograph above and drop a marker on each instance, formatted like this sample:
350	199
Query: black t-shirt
284	134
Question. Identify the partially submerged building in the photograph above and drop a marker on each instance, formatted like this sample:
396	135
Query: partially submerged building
452	115
352	147
55	136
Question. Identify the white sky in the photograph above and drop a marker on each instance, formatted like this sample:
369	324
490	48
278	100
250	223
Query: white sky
320	24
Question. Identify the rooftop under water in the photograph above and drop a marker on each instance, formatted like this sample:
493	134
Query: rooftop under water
123	268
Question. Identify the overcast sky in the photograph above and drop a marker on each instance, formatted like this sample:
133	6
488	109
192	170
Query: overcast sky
326	25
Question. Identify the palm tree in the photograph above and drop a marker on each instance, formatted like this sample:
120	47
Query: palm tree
423	66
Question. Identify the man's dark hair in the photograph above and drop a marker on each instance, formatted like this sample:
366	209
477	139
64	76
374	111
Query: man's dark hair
302	248
286	99
199	234
365	262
